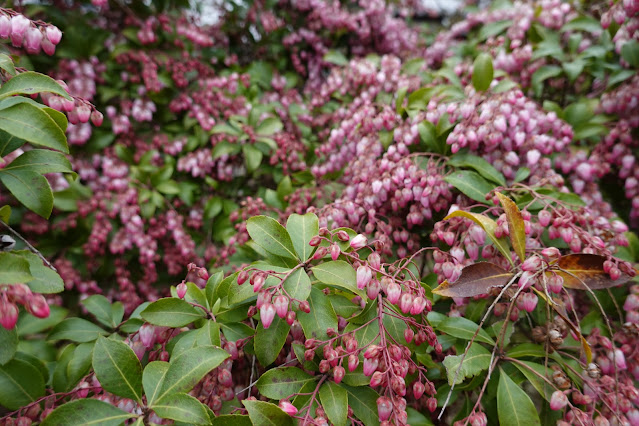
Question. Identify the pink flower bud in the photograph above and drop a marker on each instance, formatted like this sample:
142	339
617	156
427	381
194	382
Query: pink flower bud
376	379
97	118
373	289
5	26
84	113
374	260
393	292
281	306
409	334
288	408
620	359
531	264
19	25
54	35
615	273
364	275
48	47
33	40
231	348
147	335
338	373
529	301
384	408
8	314
315	241
343	235
262	298
242	277
418	389
551	253
419	303
353	362
406	302
370	365
555	283
358	242
38	306
258	282
181	290
320	253
305	307
335	251
527	279
267	313
558	400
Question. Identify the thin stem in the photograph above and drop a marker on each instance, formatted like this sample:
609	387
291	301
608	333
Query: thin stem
33	249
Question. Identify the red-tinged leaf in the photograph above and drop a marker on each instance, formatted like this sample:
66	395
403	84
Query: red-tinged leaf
584	271
516	226
475	279
489	226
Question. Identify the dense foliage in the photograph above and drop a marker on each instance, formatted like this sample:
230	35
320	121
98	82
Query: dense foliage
314	212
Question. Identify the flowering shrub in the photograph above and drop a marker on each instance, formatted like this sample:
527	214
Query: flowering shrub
319	212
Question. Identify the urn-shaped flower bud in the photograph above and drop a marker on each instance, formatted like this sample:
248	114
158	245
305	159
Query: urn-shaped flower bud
38	306
529	302
558	400
555	283
315	241
97	118
335	251
531	264
267	313
242	277
54	35
343	235
8	314
147	335
305	307
353	362
338	373
288	408
364	276
406	302
33	40
358	242
409	334
393	292
551	253
5	26
419	303
181	290
258	282
48	47
384	408
281	305
19	25
370	365
375	261
373	289
418	389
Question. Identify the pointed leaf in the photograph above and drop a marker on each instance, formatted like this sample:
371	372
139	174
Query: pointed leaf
280	383
41	161
477	278
334	400
30	188
482	72
321	317
476	360
463	328
76	330
489	226
28	122
6	63
152	378
14	269
470	184
182	408
171	312
533	371
514	407
266	414
269	342
581	271
20	384
302	228
8	344
298	284
100	307
340	274
516	227
86	412
363	401
270	235
29	83
45	280
118	368
482	166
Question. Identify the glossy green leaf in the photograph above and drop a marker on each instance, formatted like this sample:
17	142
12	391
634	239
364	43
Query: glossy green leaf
463	328
339	274
302	228
269	342
280	383
118	368
470	184
76	330
271	236
60	380
29	83
320	318
363	401
28	122
80	363
252	157
335	402
514	406
630	52
335	57
477	360
480	165
152	378
482	72
8	344
171	312
6	64
182	408
45	280
100	307
298	284
30	188
14	269
86	412
20	384
542	74
266	414
534	373
41	161
186	370
231	420
269	126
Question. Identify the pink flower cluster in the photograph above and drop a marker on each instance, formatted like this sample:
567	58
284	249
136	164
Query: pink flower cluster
33	36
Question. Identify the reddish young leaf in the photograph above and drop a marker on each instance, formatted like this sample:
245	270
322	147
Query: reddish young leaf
516	226
489	226
475	279
582	271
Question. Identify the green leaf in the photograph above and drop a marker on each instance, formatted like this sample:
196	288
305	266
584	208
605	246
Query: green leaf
482	166
29	83
8	344
339	274
152	378
20	384
280	383
100	307
335	402
209	334
182	408
86	412
573	69
30	188
542	74
302	228
269	342
335	57
266	414
76	330
171	312
34	125
36	362
79	363
492	29
516	226
252	157
514	407
525	350
534	373
583	23
464	329
5	212
298	285
14	269
477	360
231	420
41	161
186	370
168	187
363	401
321	317
271	236
482	72
118	368
6	63
470	184
415	418
45	280
269	126
60	380
630	52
